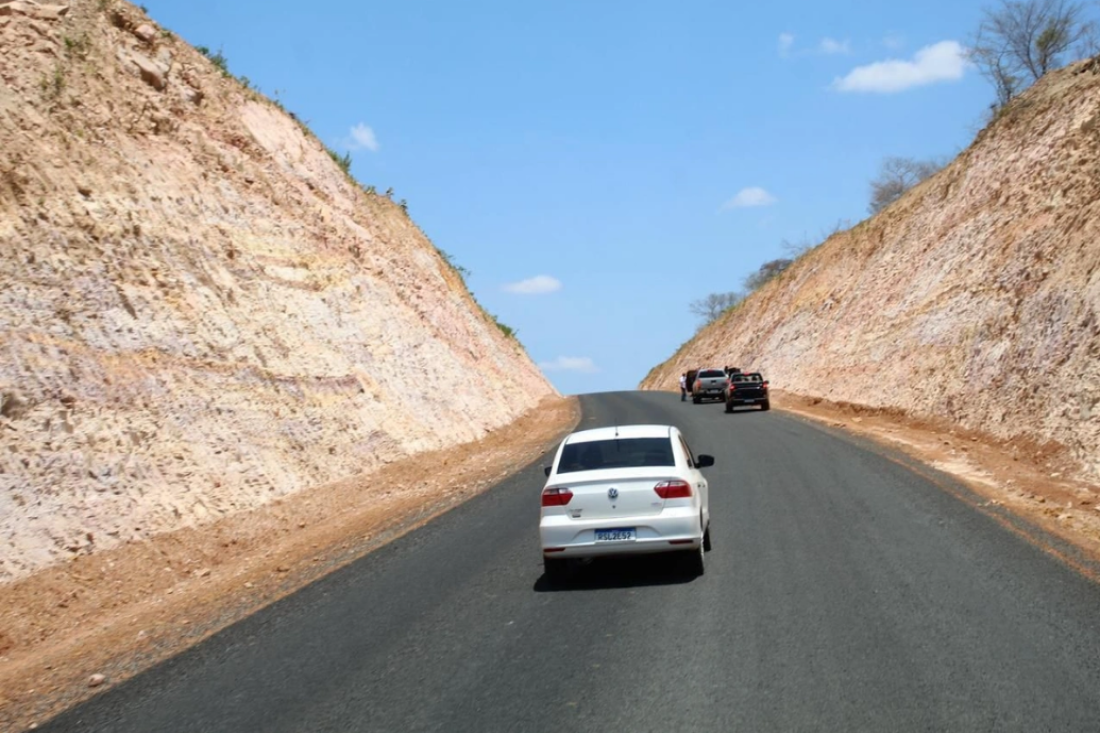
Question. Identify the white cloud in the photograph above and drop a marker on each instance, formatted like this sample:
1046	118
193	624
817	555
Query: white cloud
569	364
786	40
825	47
831	46
537	285
894	41
943	61
748	197
363	138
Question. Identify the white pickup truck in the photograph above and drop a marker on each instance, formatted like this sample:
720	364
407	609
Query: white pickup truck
709	384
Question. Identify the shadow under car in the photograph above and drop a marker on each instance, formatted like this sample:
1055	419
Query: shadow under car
670	568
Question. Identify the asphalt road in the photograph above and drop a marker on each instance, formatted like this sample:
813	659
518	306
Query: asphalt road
844	593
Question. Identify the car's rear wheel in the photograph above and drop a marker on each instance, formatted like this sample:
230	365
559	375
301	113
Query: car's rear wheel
695	400
556	568
694	561
765	406
729	407
706	540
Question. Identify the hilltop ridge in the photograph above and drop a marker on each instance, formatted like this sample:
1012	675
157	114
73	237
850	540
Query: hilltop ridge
200	310
974	299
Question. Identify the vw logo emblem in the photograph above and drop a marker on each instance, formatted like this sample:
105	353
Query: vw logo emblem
612	493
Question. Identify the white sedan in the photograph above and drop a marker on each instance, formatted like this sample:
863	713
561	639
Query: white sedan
621	491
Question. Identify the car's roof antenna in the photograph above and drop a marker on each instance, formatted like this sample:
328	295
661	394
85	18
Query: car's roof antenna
616	431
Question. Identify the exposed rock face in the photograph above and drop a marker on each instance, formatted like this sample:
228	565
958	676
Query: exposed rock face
152	73
33	9
199	312
975	298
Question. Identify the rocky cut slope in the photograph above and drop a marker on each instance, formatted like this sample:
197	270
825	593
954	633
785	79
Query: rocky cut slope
974	299
199	311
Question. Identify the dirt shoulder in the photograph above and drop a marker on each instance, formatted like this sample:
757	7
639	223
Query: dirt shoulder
118	612
1010	479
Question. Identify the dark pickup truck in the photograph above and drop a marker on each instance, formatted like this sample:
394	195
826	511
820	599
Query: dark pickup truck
747	389
709	384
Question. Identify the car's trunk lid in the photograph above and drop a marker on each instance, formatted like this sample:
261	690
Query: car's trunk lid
614	494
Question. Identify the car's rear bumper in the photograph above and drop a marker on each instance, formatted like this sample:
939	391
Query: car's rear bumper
675	529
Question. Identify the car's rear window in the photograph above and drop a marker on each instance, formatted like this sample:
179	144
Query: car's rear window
711	373
747	378
621	453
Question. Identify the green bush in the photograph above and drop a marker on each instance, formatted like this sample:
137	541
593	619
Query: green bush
506	329
462	271
344	161
76	46
52	86
216	57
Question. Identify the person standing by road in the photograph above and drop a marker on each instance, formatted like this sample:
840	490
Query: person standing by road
683	387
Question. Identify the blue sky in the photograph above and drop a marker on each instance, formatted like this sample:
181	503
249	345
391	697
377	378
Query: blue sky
598	166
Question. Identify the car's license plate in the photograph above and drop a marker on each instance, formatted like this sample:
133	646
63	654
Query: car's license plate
624	534
750	400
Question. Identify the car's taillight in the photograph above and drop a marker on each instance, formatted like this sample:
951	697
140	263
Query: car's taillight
673	489
556	496
765	385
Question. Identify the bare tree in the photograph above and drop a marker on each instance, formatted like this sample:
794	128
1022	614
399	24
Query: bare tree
895	177
841	225
798	247
802	245
1089	45
767	271
714	305
1020	40
993	63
